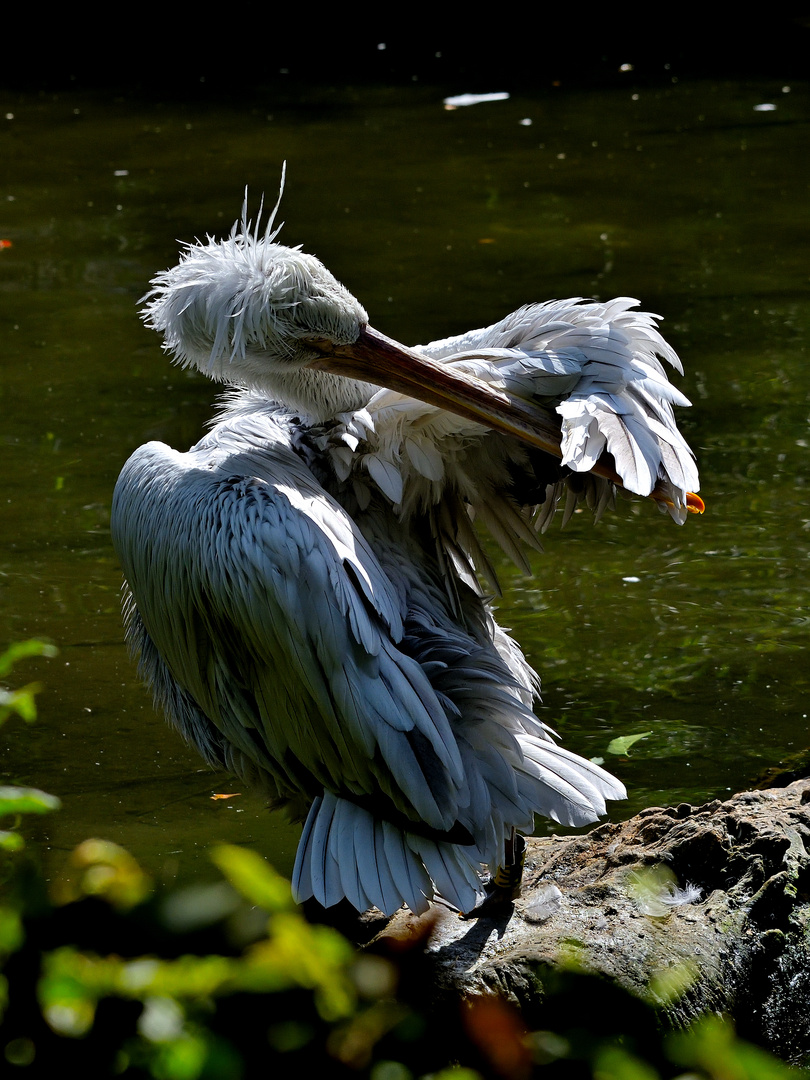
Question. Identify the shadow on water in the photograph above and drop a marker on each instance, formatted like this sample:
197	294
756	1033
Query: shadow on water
690	195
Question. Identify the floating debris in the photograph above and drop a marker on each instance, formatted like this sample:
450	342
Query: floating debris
461	100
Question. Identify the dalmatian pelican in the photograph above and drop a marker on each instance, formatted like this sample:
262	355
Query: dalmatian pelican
306	589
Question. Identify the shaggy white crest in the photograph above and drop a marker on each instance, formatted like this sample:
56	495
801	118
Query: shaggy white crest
242	310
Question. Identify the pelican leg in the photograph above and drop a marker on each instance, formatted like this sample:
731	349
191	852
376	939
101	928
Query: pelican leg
509	877
504	886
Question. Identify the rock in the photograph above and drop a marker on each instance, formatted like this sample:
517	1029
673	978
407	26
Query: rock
701	908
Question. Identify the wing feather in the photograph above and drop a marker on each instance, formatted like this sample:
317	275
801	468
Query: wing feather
296	651
600	366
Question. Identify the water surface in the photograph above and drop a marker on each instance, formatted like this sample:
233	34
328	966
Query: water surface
686	195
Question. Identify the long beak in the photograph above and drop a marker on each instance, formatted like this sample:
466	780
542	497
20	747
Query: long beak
378	359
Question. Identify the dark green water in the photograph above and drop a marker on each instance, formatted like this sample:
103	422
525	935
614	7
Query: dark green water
686	196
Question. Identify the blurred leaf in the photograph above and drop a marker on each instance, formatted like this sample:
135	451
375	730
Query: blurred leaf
456	1072
182	1058
711	1044
615	1063
253	877
20	800
21	701
66	997
101	868
21	650
11	930
297	954
670	984
11	841
195	977
193	907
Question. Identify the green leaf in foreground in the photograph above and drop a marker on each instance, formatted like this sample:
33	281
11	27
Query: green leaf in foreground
21	650
253	877
711	1046
21	701
22	800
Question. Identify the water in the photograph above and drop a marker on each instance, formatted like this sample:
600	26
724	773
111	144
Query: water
682	194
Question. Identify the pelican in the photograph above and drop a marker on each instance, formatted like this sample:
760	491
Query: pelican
306	589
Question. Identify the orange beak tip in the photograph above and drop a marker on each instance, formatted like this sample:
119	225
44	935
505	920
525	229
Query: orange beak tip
694	503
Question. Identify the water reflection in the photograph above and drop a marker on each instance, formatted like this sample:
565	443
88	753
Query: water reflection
682	195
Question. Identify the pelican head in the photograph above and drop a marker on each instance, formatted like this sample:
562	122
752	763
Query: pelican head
246	310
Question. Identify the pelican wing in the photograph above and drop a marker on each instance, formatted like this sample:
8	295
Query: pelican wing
600	367
267	608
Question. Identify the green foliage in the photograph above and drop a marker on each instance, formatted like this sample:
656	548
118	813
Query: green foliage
21	701
18	801
101	868
710	1048
104	978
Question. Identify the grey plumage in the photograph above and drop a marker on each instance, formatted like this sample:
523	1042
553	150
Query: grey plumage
302	586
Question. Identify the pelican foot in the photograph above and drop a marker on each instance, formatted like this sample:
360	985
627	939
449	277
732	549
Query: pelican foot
504	886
